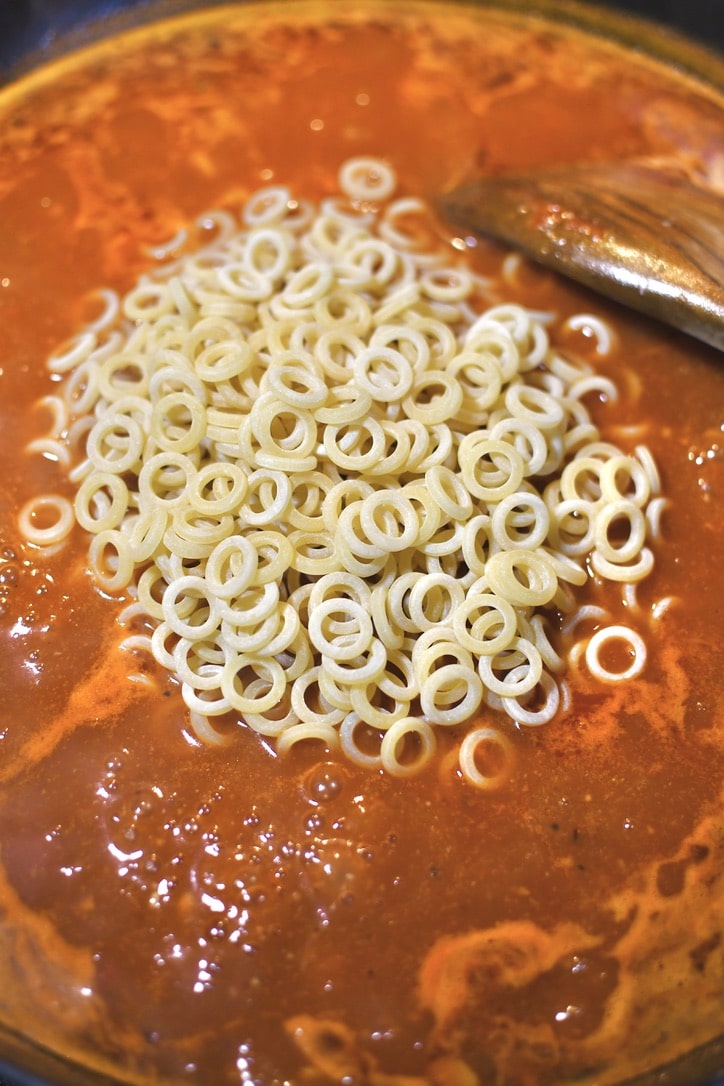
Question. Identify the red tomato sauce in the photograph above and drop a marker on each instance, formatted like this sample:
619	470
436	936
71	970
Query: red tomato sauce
174	913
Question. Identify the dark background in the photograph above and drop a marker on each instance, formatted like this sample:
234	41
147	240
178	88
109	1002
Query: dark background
700	19
28	24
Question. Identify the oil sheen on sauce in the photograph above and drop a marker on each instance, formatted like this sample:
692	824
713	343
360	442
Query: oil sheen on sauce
213	916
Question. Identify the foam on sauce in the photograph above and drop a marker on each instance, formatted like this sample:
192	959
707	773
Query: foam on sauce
217	916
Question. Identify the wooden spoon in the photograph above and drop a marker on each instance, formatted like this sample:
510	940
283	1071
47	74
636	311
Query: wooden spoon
641	234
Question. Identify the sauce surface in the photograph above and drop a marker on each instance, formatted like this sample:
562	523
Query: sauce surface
172	913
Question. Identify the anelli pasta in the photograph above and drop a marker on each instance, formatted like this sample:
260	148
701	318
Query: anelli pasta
344	490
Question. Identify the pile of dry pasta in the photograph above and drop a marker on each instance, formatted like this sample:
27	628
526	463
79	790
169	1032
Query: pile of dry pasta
344	493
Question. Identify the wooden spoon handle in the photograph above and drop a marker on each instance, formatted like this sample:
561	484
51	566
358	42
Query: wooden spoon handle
639	234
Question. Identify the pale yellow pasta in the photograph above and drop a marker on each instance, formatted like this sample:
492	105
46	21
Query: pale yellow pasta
149	589
267	499
342	309
352	561
250	607
306	730
58	409
46	520
537	631
274	556
77	350
440	446
101	501
573	526
80	389
376	712
618	571
398	301
643	455
350	746
315	553
370	264
267	205
297	657
516	706
654	511
524	578
491	469
447	284
623	477
145	533
337	694
520	521
388	520
363	669
437	647
451	694
355	448
613	514
345	492
274	722
204	733
447	540
192	668
566	569
206	529
296	384
367	179
217	488
395	739
581	479
121	373
484	623
662	607
629	639
351	537
110	559
387	627
396	452
406	340
517	677
300	701
51	448
590	613
433	600
479	739
286	633
188	619
256	698
115	443
435	397
344	646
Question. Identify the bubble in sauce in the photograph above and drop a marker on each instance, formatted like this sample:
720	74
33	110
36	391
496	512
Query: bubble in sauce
324	783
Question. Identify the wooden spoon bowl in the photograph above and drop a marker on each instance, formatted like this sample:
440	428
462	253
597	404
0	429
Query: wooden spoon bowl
642	234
